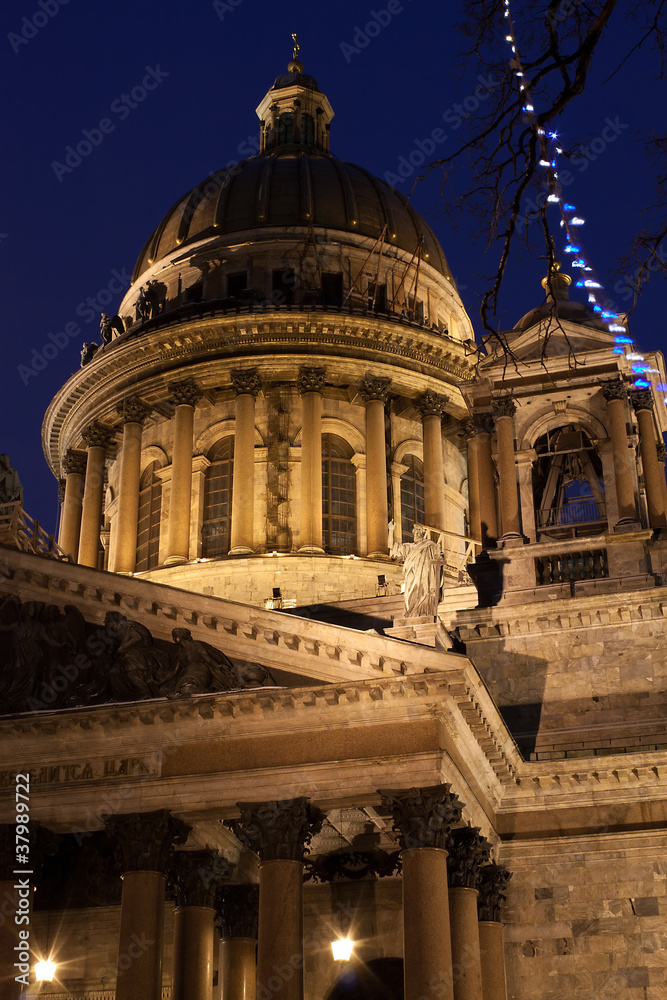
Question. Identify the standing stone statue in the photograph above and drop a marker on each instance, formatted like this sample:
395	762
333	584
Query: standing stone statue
422	571
11	489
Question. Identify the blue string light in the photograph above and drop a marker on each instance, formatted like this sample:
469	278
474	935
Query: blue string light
548	161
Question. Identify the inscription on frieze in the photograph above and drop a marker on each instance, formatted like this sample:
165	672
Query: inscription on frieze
89	770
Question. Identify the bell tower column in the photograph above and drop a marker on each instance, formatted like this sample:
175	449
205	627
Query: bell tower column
423	818
374	392
185	395
98	437
311	382
247	384
279	832
503	412
74	467
654	478
616	395
432	407
133	412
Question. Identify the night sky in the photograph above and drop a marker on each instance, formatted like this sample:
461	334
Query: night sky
70	235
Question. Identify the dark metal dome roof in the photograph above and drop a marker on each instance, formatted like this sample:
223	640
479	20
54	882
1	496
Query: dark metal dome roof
292	189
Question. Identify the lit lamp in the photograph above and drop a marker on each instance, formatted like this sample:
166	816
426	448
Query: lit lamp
342	949
45	971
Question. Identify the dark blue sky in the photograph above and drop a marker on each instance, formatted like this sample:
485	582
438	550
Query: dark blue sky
67	236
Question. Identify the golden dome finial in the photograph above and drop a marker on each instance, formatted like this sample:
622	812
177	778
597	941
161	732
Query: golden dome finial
295	65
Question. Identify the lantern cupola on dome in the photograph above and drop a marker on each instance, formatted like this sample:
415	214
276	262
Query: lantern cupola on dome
295	115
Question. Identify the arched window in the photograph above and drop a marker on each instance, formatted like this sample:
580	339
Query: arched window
412	496
286	128
148	529
218	499
568	484
339	496
307	130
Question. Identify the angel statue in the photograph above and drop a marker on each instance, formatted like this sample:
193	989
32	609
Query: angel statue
422	571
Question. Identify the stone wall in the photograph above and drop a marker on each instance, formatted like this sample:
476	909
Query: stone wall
576	676
587	918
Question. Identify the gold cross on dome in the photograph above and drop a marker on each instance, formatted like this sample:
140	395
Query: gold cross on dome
296	46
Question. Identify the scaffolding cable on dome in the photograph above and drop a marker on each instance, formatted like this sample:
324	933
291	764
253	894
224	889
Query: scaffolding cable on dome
570	220
416	254
353	283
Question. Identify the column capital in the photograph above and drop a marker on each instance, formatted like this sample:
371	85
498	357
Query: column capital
423	817
237	911
196	876
186	392
614	390
430	404
74	461
374	387
98	435
278	830
468	851
246	381
493	884
503	407
311	379
143	841
133	410
641	399
661	452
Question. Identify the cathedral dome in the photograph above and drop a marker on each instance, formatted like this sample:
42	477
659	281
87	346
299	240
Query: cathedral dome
290	188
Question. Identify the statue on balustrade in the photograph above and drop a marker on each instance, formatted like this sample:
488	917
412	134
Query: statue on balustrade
196	668
422	571
11	490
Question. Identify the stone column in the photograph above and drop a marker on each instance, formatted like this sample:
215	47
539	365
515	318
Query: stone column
237	916
196	877
311	382
654	472
247	384
486	479
661	460
143	842
133	412
423	818
616	395
503	412
359	463
431	406
185	396
525	460
74	467
493	882
467	853
374	392
97	437
474	515
278	832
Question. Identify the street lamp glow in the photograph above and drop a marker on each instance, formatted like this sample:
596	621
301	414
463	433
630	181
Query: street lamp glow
45	971
342	949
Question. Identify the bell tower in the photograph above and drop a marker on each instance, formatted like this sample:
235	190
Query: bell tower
568	492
